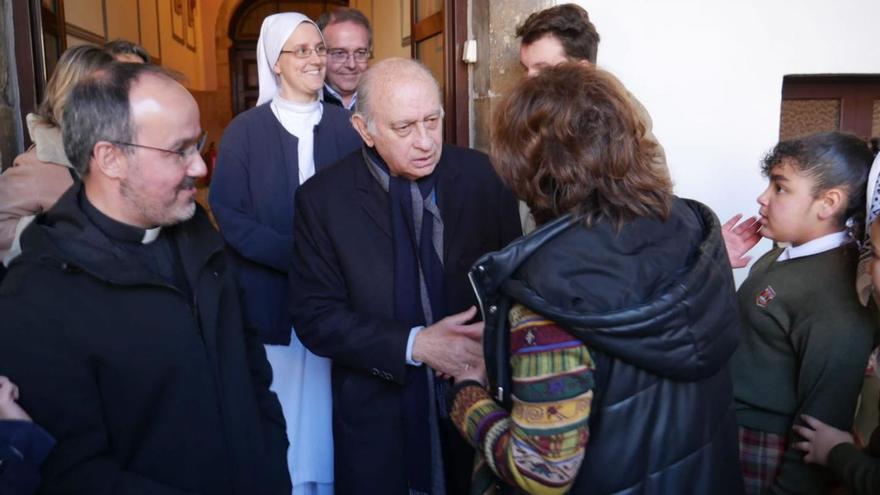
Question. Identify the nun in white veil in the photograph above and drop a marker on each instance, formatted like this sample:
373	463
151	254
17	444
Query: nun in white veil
266	153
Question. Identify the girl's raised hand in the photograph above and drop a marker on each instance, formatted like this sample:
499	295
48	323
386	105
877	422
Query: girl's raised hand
740	238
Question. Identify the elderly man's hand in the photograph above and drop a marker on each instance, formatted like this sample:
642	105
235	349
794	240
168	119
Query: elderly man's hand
820	439
8	408
739	239
451	346
476	373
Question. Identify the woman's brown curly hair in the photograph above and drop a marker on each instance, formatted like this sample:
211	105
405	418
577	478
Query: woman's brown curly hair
571	141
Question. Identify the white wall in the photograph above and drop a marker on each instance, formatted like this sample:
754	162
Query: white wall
710	73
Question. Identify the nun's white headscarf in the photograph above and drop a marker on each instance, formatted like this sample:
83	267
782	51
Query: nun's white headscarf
273	34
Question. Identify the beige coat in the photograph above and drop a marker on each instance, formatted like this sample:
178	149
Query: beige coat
33	184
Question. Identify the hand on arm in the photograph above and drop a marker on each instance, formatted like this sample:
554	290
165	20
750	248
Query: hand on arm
494	431
820	438
66	400
473	373
740	238
832	345
9	409
451	346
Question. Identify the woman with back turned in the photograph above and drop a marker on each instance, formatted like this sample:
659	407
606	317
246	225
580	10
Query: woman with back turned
609	328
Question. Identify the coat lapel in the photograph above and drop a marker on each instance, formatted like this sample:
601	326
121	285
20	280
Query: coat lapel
372	198
201	256
449	199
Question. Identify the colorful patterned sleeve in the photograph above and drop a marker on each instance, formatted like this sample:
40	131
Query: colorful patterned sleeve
539	445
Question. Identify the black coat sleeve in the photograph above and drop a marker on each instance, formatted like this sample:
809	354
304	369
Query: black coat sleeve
323	316
59	391
859	471
23	448
271	416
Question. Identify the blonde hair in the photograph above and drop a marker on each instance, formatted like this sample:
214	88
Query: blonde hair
74	65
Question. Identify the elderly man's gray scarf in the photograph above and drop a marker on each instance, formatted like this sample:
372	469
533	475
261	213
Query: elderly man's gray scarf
419	298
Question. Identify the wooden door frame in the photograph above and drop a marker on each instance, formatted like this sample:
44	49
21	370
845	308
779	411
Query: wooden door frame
30	64
856	94
237	73
456	90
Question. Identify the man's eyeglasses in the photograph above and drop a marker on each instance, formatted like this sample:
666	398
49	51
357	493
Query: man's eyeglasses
183	154
339	55
306	52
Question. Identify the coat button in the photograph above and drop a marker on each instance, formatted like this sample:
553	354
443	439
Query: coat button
493	309
481	269
375	372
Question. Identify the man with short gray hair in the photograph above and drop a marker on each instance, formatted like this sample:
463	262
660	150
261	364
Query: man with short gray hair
121	319
382	244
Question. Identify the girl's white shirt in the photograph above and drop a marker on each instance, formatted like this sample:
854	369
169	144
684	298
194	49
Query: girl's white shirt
819	245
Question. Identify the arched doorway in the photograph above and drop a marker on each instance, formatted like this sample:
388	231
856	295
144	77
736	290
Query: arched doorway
244	29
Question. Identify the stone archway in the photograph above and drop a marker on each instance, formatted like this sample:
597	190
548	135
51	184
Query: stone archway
222	44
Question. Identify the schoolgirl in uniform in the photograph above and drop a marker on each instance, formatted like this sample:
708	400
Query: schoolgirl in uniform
806	338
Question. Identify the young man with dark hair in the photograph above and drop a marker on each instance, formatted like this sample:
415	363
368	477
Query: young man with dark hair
555	35
564	33
560	34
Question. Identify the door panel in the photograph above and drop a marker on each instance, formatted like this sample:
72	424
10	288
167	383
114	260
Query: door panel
245	82
849	103
439	30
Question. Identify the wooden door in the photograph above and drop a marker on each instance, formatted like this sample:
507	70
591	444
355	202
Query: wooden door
439	30
849	103
245	82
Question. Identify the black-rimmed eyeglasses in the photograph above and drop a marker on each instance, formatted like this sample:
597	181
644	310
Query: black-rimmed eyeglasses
306	52
338	55
183	154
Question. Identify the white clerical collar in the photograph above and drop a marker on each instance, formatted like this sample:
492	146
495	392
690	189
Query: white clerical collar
816	246
151	235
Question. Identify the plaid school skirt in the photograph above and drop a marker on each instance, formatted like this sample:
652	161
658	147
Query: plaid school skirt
760	454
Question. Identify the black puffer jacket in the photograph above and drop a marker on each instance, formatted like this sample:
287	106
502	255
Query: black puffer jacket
655	305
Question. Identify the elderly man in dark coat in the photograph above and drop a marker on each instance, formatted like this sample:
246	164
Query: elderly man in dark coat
382	243
121	320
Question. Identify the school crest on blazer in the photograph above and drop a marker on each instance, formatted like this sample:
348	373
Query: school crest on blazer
765	296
